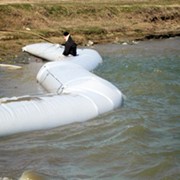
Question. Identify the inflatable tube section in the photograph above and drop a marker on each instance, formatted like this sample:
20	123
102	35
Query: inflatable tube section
37	113
76	95
63	77
87	58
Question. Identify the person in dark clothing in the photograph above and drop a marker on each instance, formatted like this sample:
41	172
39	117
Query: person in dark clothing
70	45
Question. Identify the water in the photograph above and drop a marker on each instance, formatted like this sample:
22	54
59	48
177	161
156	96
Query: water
138	141
18	82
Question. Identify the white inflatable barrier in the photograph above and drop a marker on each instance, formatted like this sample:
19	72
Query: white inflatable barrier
87	58
76	95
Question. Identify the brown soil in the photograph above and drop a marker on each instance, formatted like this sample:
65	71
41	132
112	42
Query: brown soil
28	21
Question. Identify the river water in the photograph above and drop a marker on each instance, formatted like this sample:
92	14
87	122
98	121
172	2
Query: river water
138	141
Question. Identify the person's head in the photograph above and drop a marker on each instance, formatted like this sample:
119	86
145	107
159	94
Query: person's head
66	35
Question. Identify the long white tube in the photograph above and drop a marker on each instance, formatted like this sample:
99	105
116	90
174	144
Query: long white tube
76	95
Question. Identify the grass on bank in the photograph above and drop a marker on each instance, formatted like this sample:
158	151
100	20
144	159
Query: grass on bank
96	20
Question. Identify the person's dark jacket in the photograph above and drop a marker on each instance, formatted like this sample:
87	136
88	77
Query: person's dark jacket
70	47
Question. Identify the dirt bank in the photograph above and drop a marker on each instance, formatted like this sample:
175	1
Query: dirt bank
29	21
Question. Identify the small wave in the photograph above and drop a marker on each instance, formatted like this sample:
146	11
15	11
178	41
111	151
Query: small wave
137	131
5	178
29	175
32	175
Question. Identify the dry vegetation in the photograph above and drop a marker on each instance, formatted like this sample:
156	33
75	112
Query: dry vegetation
27	21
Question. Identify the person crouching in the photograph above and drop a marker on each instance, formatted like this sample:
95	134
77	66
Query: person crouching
70	45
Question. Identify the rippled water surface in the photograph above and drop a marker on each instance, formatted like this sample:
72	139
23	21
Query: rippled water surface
138	141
